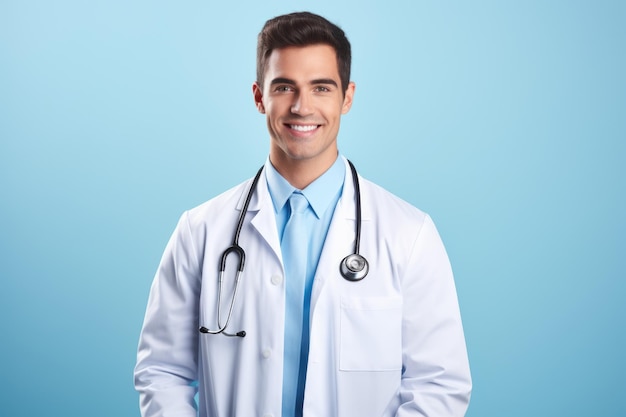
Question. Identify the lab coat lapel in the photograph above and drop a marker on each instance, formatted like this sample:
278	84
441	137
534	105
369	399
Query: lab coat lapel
264	217
339	241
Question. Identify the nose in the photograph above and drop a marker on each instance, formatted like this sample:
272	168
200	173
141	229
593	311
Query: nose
301	105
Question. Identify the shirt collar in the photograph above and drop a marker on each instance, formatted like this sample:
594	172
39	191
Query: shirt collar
319	193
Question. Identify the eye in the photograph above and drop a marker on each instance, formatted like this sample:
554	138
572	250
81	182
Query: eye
322	89
283	88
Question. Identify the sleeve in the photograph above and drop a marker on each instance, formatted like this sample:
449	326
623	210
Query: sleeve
436	378
167	364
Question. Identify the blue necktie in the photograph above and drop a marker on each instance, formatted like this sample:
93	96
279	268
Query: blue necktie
294	247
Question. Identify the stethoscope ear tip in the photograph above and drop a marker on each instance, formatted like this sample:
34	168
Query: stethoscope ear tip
354	267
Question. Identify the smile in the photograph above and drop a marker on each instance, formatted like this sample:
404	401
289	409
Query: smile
303	128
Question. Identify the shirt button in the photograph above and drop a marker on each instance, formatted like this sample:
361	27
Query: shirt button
266	353
276	279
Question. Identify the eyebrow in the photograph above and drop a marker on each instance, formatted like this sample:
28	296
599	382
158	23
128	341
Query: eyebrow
318	81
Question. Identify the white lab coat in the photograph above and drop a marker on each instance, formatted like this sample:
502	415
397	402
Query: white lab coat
389	345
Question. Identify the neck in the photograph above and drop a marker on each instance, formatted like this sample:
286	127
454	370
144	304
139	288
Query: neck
301	172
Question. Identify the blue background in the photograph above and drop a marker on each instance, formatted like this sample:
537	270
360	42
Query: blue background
504	120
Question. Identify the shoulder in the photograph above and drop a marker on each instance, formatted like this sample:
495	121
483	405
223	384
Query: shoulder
221	205
384	204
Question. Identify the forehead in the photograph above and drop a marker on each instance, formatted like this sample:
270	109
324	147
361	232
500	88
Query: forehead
303	62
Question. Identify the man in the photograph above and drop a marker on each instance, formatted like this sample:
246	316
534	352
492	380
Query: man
290	336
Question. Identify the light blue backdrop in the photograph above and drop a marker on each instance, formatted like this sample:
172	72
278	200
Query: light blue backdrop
505	120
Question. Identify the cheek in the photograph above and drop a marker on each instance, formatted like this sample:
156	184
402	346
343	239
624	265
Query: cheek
272	109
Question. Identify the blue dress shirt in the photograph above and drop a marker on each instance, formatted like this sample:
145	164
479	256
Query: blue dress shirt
322	195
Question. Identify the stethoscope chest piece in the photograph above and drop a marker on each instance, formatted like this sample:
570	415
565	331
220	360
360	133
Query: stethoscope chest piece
354	267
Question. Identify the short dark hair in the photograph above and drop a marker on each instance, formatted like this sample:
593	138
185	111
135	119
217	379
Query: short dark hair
302	29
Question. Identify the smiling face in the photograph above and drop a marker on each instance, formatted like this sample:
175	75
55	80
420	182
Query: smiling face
303	101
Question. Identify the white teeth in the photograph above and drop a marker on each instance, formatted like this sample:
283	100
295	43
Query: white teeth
301	128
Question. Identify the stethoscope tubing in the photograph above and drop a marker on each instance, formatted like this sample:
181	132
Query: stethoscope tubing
353	267
234	247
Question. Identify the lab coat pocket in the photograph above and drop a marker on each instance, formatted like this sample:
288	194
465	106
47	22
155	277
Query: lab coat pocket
371	334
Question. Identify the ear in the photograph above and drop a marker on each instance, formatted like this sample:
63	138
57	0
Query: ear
258	97
348	97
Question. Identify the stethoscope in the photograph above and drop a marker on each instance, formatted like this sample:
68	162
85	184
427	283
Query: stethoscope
353	267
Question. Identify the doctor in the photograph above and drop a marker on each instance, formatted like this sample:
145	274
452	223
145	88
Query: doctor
296	334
